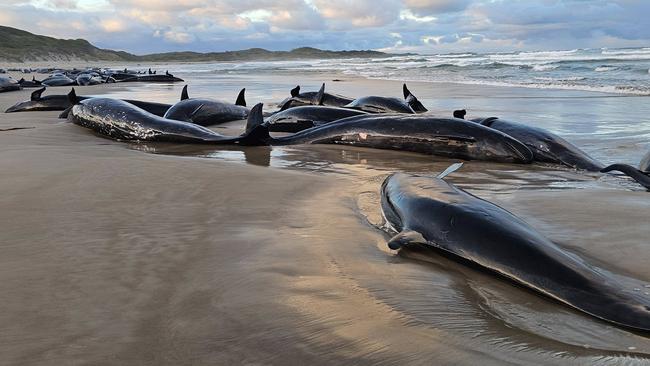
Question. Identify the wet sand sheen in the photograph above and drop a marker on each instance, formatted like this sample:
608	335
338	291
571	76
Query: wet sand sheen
114	256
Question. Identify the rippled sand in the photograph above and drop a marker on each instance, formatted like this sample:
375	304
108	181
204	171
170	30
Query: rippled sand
124	254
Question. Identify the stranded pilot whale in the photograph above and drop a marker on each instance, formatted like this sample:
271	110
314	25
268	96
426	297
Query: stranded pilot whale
313	98
446	137
207	112
307	116
547	147
120	120
61	102
376	104
432	212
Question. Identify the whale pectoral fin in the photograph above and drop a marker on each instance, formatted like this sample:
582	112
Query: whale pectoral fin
406	237
36	95
241	99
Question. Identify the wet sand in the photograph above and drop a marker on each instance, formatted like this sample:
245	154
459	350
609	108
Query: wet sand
135	254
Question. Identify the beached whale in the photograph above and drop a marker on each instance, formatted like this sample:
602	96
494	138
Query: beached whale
432	212
376	104
61	102
207	112
8	84
313	98
153	78
454	138
89	79
547	147
30	83
117	119
303	117
58	80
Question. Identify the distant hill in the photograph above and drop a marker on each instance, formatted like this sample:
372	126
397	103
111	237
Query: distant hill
21	46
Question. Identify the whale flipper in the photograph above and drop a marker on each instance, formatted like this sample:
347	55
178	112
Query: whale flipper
184	94
450	169
406	237
36	95
241	100
639	176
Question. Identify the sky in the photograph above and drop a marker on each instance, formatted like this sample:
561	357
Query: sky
423	26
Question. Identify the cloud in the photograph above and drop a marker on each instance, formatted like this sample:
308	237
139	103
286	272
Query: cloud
428	26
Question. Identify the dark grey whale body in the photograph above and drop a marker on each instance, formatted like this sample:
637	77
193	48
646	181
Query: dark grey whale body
546	146
303	117
376	104
416	133
61	102
207	112
120	120
8	84
58	80
30	83
313	98
432	212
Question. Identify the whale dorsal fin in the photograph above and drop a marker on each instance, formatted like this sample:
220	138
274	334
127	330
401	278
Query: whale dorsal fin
460	113
450	169
36	94
255	117
412	101
318	98
257	132
72	97
406	237
241	100
295	91
184	94
22	80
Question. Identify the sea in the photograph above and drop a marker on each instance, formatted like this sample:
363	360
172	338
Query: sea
622	71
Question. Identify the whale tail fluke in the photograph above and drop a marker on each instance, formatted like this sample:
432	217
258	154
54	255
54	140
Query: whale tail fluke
184	94
639	176
412	101
257	132
36	94
241	99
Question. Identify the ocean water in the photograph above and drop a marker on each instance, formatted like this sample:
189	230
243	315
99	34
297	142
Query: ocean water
623	71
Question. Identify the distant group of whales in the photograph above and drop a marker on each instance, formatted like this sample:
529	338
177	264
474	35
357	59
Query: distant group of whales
86	77
324	118
418	211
